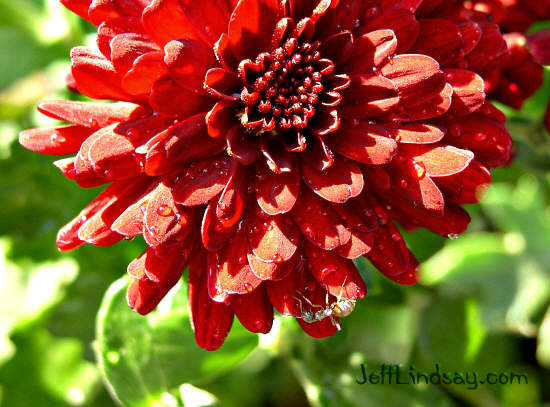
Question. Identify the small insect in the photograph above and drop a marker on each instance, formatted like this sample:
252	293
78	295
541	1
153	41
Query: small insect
341	308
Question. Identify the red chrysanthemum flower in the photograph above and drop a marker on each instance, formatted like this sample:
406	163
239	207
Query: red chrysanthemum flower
267	143
520	74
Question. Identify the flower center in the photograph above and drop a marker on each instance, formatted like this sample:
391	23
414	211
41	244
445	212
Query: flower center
283	86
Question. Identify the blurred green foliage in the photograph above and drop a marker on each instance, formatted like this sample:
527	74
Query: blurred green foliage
482	304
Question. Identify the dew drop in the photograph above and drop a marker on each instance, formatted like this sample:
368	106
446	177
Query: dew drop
420	170
455	130
452	236
164	210
479	137
57	138
113	357
248	287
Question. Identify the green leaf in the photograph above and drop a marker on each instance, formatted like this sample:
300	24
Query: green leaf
145	358
384	332
194	397
330	381
543	341
452	333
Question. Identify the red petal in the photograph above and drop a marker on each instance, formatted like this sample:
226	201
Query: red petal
164	222
371	50
471	35
125	48
454	219
539	44
114	26
410	179
271	238
368	143
210	320
221	118
324	122
85	175
112	155
338	47
251	26
317	154
101	10
327	230
144	72
67	237
203	181
234	197
223	84
184	142
277	158
468	186
491	50
400	21
169	98
97	229
188	61
389	254
221	218
143	295
95	75
338	183
468	91
224	54
369	96
276	193
228	269
55	141
337	275
166	20
359	244
281	293
439	161
241	146
439	39
254	310
417	78
66	166
214	233
130	222
272	271
486	138
91	114
79	7
165	269
418	133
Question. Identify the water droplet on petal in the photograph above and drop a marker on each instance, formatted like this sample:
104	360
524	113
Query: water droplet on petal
164	210
452	236
420	170
57	138
479	137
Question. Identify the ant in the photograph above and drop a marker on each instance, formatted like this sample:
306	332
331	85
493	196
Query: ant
339	309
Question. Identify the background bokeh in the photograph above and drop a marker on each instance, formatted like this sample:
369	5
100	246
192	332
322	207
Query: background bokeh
67	337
